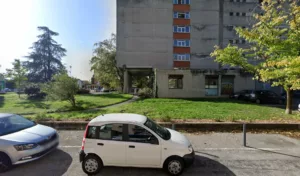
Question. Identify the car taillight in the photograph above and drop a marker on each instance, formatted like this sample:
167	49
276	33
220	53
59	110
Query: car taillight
84	136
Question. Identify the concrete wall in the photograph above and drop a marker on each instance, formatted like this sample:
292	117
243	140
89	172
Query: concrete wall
194	84
145	33
204	33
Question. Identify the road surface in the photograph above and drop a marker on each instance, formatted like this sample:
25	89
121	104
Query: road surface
217	154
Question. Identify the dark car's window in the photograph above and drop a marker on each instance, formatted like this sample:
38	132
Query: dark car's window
14	123
139	134
111	132
160	131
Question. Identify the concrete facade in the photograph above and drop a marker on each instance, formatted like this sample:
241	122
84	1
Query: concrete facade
145	39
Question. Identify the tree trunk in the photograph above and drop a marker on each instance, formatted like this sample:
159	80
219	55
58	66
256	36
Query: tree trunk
73	102
288	109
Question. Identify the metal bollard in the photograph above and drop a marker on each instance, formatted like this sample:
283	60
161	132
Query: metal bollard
173	126
244	134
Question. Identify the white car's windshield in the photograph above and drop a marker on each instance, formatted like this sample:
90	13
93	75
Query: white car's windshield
14	123
159	130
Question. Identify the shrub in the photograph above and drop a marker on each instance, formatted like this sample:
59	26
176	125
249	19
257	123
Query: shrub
34	92
83	91
145	93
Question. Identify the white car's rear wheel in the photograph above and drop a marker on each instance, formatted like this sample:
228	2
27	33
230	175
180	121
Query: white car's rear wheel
92	165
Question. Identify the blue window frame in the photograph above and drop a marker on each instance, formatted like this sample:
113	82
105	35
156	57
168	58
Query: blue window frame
181	1
182	29
182	43
182	57
184	15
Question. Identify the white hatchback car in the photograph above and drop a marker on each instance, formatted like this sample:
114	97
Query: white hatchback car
131	140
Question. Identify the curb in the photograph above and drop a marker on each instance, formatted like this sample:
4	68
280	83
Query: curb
216	127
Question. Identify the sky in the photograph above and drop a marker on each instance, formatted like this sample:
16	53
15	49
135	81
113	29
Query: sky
80	24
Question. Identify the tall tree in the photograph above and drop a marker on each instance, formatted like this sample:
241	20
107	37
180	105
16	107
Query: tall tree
17	74
274	47
104	64
45	59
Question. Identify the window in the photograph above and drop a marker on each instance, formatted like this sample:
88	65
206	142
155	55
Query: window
139	134
111	132
231	41
182	29
243	41
92	132
243	14
237	41
14	123
230	28
157	129
181	1
175	82
237	13
211	86
184	15
182	43
231	13
181	57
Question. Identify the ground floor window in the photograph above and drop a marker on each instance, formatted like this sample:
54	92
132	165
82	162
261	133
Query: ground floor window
175	82
211	85
227	85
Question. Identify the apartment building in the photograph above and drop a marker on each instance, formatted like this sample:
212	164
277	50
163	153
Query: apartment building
173	39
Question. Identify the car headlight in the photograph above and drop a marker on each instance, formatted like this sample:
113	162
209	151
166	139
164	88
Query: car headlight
190	148
22	147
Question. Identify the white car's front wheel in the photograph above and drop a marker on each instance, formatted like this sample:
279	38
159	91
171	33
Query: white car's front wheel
174	166
92	165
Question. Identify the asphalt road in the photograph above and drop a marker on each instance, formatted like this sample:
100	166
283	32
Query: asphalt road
219	154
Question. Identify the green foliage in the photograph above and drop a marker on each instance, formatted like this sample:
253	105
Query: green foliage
104	64
17	74
273	54
44	60
62	87
145	93
33	91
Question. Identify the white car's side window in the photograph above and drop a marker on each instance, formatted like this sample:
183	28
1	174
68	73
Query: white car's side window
111	132
139	134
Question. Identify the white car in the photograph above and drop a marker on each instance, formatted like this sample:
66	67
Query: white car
131	140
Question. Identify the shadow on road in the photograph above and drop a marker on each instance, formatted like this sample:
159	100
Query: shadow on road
55	163
202	166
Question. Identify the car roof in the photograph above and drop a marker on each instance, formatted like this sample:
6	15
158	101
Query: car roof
2	115
120	118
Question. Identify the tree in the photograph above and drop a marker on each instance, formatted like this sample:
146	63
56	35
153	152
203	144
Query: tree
104	64
273	54
17	74
62	87
45	59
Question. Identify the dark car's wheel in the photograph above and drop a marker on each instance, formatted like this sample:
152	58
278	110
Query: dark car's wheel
5	163
174	166
92	164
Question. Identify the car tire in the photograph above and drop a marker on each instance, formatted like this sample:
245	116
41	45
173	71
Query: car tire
174	166
258	101
5	162
92	164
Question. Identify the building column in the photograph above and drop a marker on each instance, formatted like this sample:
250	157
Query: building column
220	84
126	81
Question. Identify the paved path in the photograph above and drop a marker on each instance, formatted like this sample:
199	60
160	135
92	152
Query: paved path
218	154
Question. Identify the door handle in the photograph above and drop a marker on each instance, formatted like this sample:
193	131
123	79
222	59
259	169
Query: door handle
131	146
100	144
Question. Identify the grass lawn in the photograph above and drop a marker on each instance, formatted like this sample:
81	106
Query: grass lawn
11	103
208	109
